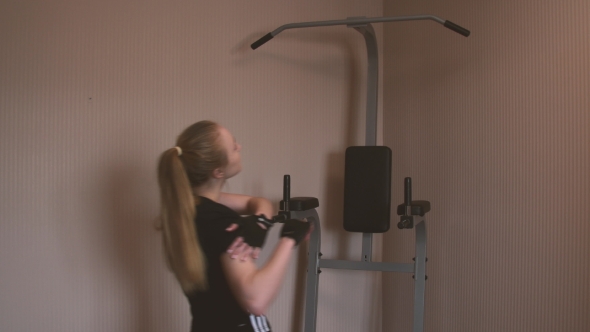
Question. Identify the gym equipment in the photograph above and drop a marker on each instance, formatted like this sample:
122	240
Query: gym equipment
364	27
367	189
412	214
367	186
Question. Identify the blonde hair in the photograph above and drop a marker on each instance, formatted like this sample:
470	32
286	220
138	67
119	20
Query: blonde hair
177	176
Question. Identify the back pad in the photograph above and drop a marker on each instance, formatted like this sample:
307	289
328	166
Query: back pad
367	189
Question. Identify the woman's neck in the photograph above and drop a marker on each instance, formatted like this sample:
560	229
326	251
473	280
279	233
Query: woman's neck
210	189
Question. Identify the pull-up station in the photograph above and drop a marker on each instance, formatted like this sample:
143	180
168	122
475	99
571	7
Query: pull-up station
367	186
364	27
359	21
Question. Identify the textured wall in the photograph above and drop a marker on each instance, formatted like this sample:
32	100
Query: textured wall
494	131
91	92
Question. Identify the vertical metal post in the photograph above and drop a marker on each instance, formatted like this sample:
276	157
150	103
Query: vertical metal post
313	269
420	276
372	81
371	112
367	253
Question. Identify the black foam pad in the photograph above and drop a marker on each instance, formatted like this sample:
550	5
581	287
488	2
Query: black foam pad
367	189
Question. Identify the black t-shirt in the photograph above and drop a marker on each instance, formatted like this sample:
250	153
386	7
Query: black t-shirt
216	309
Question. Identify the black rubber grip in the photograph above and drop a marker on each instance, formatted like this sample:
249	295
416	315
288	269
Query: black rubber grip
261	41
286	192
408	191
456	28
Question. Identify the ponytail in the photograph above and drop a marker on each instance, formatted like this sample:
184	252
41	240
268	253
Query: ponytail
183	252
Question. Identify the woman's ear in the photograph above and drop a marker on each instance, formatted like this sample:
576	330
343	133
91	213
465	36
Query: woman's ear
218	173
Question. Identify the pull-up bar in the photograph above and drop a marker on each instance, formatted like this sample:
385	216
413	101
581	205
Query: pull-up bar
364	27
359	21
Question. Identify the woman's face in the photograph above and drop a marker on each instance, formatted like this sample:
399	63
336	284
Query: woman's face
232	148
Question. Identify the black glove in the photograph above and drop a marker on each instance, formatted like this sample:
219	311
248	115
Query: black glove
295	229
250	230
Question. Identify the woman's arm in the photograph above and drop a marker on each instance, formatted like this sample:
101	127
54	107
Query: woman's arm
255	288
244	204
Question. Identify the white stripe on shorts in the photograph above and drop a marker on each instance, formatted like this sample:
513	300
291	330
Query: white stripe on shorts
259	323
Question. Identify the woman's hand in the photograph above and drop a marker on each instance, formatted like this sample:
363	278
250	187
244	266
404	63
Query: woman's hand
252	234
240	249
298	230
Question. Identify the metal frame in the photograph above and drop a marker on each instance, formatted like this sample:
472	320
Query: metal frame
315	263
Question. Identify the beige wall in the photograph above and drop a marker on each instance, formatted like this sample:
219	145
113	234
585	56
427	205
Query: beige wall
91	92
494	130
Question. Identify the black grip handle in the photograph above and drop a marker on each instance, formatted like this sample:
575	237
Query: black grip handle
408	191
457	28
286	191
261	41
281	218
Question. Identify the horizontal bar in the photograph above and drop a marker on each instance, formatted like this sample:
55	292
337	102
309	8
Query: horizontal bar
366	266
355	21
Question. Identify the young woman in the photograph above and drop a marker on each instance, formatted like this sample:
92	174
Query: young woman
225	294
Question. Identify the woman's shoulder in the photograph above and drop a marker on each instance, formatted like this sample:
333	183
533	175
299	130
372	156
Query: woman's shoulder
212	221
209	209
